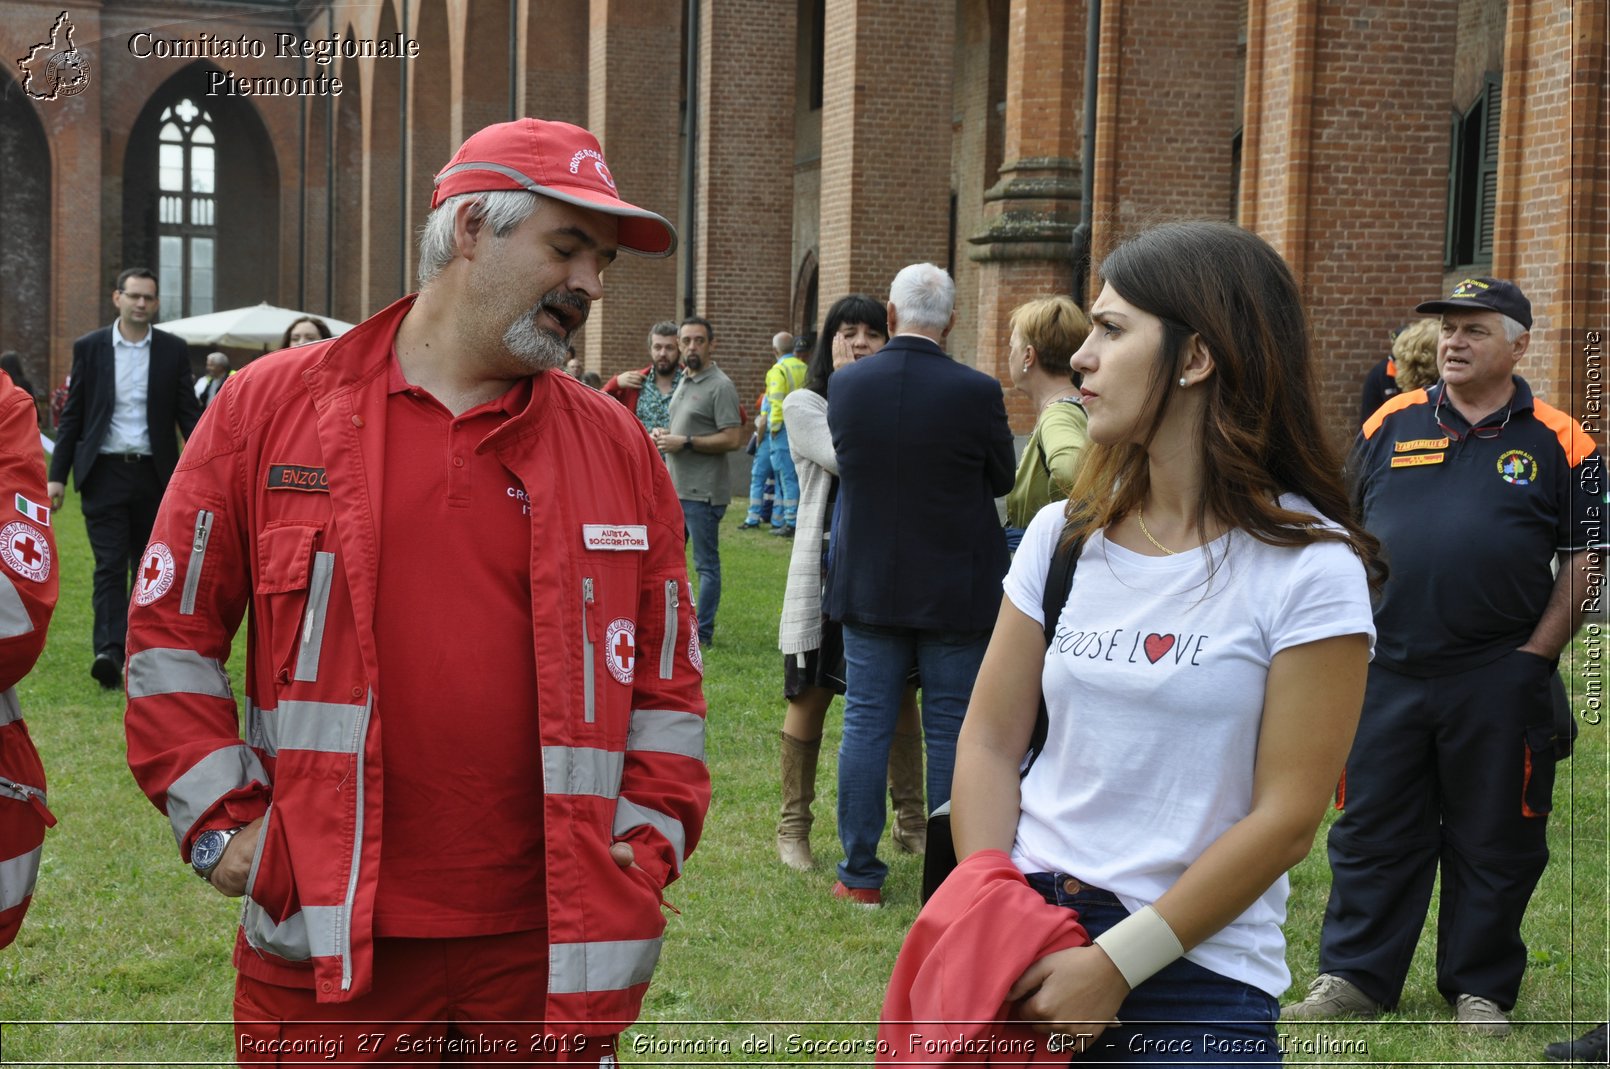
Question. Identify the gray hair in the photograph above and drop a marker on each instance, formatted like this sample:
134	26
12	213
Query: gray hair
664	328
500	211
1512	328
923	296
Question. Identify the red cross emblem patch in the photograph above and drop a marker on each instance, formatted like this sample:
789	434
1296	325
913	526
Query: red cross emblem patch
155	574
25	550
620	650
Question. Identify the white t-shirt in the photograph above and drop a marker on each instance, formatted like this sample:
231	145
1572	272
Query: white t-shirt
1154	687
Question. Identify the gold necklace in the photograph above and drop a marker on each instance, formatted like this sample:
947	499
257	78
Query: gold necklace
1140	514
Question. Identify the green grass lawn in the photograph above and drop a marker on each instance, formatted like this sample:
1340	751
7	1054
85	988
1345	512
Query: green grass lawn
124	957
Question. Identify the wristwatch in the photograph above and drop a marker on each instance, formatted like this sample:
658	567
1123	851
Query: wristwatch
208	850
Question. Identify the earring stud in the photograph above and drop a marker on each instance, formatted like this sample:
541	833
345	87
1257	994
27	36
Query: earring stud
1182	380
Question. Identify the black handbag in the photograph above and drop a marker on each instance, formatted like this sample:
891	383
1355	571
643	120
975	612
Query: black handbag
939	857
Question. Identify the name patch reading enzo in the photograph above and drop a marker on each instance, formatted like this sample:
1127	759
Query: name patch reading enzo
298	477
607	536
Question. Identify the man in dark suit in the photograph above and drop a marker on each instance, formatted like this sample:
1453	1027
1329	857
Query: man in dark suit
918	553
131	387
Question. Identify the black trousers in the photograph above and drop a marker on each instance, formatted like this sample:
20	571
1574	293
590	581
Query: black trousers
119	500
1456	771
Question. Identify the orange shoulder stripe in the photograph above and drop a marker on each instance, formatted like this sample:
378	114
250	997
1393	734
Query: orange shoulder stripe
1392	404
1573	439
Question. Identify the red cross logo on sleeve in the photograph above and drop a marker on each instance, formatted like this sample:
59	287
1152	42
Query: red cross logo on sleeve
28	549
620	650
156	574
25	550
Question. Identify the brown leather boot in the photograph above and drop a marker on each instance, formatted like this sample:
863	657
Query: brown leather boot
910	828
799	791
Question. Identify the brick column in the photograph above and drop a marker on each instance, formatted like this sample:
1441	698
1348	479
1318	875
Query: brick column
1024	249
886	141
632	97
745	180
1348	164
1549	228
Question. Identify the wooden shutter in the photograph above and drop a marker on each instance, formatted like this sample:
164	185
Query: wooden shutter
1487	183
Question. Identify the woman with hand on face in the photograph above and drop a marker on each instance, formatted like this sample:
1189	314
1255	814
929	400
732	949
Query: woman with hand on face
813	649
1045	334
1208	667
305	331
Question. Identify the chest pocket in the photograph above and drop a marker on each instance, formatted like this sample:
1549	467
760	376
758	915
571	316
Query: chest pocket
294	574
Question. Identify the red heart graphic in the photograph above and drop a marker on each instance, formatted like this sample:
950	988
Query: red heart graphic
1157	645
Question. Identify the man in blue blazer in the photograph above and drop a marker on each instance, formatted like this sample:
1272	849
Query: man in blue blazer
918	552
130	388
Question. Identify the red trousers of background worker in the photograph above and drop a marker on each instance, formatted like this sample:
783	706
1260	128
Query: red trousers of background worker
475	1000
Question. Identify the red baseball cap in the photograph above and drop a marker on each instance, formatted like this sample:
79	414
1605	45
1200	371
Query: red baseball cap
557	160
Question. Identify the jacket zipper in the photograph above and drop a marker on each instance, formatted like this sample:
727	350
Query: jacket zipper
198	556
587	681
32	795
668	646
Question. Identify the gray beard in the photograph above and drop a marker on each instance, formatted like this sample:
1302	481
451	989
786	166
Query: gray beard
538	348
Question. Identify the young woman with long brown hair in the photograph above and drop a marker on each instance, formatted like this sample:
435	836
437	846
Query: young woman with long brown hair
1207	671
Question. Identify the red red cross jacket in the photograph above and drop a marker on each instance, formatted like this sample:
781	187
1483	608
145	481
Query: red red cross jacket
946	1000
28	588
622	762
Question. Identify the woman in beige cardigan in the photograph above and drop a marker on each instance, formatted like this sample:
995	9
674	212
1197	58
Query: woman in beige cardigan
813	652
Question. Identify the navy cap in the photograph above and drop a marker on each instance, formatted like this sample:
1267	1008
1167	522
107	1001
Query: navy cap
1484	295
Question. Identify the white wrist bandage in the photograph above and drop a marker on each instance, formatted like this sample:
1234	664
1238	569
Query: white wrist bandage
1140	945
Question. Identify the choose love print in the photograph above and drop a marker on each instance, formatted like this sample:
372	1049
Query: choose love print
1133	647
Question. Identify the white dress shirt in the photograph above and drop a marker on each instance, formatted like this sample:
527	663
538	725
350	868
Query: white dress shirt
130	431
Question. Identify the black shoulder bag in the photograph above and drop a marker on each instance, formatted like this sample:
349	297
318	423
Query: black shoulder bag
939	859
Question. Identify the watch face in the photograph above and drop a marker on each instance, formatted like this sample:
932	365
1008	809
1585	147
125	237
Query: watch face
207	849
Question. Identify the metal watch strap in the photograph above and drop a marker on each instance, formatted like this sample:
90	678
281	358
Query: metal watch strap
229	836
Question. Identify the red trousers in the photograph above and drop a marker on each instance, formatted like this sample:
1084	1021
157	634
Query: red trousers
476	1000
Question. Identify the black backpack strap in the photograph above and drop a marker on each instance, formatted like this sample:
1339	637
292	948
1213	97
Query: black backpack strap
1058	582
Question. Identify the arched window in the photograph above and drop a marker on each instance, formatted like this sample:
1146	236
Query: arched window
186	211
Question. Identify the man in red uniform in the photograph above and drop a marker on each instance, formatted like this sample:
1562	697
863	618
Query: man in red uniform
28	588
474	739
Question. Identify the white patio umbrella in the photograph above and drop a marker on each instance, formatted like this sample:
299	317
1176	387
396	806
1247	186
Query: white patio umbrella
251	327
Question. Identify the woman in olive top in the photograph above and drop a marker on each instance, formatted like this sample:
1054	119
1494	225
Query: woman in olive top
1045	335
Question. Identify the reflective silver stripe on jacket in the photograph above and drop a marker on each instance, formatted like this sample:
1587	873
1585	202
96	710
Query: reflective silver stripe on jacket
582	770
226	769
175	671
629	815
326	727
667	731
10	710
577	968
311	932
17	877
14	619
318	602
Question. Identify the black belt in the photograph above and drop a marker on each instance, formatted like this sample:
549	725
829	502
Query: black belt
128	458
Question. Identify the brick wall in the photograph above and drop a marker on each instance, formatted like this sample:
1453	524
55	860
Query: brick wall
385	277
886	141
744	271
1351	171
1533	238
632	99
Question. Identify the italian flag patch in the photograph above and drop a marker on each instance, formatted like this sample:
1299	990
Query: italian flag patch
38	513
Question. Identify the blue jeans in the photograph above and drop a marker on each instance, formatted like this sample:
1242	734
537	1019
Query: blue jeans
782	463
704	532
877	661
760	472
1185	1014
